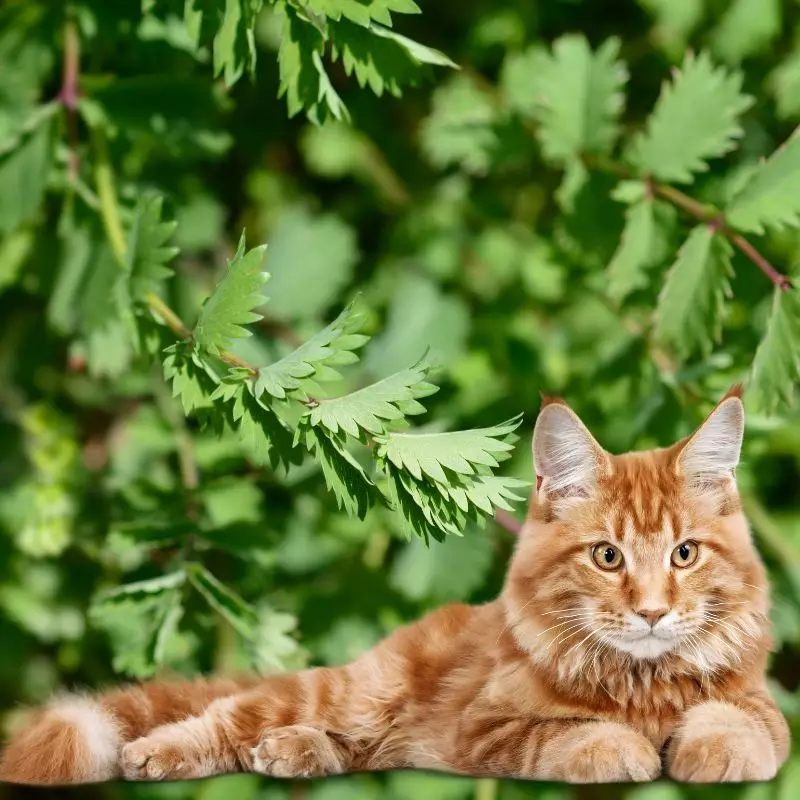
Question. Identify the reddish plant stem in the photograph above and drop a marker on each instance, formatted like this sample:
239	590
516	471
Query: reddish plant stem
717	221
699	211
508	521
781	281
69	93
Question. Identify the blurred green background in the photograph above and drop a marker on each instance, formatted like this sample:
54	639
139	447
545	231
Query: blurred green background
441	209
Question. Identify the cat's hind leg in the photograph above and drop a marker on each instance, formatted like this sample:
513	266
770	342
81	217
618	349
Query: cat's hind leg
195	747
284	727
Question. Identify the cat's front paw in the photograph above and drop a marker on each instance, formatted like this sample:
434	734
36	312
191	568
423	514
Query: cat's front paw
152	759
719	742
296	751
606	752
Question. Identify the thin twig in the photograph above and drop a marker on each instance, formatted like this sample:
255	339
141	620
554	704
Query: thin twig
167	315
508	521
176	325
107	194
68	94
710	216
699	211
781	281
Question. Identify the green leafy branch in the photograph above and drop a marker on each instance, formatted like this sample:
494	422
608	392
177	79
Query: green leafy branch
358	34
256	402
695	119
704	213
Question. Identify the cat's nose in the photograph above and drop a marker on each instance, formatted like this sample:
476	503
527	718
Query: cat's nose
652	615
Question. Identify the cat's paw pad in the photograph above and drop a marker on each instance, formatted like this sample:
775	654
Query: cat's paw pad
719	743
295	751
611	753
148	759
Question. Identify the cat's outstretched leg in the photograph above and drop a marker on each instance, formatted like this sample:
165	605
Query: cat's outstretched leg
285	727
195	747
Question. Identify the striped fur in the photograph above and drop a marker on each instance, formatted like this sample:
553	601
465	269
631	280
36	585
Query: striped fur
560	678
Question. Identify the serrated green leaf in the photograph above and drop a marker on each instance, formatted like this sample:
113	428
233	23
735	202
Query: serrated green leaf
275	647
379	57
417	508
576	96
771	196
109	350
231	304
363	13
576	175
300	243
77	244
784	83
452	571
266	436
147	254
644	244
47	529
299	73
691	304
776	366
14	250
24	171
419	53
435	510
460	452
103	310
695	119
747	27
141	630
138	589
35	119
344	476
230	24
371	408
241	615
332	346
515	76
421	318
675	20
190	381
460	128
167	627
626	270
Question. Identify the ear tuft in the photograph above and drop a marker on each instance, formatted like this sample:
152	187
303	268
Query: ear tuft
551	399
737	390
566	456
712	452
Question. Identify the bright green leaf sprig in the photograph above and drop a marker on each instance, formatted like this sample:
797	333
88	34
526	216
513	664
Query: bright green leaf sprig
696	118
254	401
358	34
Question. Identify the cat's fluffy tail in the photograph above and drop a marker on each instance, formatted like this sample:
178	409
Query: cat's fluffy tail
77	739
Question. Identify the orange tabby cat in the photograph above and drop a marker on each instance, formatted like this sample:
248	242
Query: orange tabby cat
633	623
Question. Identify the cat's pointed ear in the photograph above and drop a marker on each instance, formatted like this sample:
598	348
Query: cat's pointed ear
712	452
566	456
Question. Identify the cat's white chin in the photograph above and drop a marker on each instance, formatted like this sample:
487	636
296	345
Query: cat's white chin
646	647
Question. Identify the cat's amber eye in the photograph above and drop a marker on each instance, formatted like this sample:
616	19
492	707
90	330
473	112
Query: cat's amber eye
684	555
606	556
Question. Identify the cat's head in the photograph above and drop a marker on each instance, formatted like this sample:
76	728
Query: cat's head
646	554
